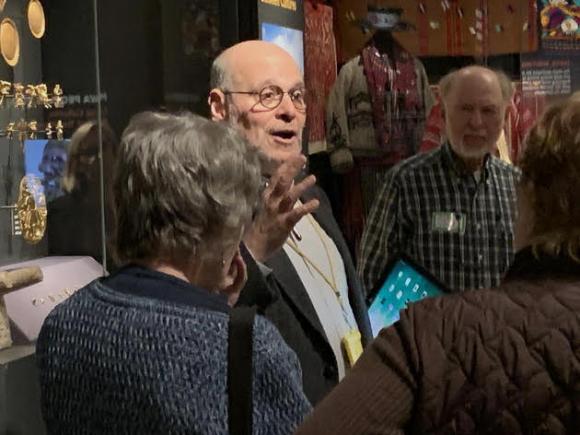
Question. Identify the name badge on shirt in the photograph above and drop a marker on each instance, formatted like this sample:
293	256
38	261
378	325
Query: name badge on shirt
448	222
352	343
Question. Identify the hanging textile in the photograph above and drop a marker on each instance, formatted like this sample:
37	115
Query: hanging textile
320	70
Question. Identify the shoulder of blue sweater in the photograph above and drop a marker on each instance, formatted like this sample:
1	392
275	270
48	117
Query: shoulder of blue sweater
96	292
265	333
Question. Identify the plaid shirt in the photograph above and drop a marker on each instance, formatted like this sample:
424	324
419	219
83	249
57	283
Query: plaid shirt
432	209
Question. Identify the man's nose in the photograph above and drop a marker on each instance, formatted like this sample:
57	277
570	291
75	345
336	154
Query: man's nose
476	120
286	110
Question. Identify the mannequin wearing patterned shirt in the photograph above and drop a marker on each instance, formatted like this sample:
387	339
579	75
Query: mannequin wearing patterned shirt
375	118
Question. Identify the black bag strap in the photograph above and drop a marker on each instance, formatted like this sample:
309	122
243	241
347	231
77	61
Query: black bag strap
240	347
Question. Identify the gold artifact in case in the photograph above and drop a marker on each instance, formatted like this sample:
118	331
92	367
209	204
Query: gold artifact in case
36	20
9	42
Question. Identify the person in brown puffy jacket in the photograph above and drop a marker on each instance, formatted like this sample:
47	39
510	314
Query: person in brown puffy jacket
500	361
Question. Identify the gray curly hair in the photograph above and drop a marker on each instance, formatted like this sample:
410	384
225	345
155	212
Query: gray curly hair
182	182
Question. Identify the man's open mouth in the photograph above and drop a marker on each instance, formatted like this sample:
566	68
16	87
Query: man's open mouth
284	134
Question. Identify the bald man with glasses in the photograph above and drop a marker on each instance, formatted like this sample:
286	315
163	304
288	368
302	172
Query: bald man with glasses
300	273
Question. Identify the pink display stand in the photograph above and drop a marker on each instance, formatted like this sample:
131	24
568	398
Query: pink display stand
28	307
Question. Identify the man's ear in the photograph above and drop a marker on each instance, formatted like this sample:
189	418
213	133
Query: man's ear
217	104
236	278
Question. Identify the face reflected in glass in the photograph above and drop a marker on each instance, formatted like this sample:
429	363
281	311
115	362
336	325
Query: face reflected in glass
52	167
85	162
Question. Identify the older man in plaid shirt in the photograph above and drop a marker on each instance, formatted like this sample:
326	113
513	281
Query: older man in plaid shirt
452	209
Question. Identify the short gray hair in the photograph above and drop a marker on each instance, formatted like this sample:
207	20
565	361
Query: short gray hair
219	77
182	182
505	84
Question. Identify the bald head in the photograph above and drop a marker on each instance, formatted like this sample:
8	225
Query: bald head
451	81
475	101
246	81
242	58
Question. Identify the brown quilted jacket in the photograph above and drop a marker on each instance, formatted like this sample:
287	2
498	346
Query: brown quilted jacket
504	361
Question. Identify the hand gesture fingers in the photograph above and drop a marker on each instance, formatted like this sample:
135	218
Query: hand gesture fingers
295	192
299	212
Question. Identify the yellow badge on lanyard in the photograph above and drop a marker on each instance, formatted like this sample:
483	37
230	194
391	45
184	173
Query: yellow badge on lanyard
352	343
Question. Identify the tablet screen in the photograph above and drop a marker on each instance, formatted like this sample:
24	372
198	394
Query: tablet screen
404	284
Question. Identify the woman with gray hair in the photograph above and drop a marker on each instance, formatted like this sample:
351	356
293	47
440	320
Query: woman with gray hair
145	350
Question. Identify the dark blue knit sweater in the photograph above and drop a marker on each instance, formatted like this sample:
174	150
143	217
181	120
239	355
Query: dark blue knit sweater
144	353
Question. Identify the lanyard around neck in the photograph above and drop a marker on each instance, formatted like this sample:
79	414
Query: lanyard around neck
310	263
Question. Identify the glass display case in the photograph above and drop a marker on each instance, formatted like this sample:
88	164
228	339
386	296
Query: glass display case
72	73
52	190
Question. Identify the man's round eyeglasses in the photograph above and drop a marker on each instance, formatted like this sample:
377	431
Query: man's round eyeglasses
271	96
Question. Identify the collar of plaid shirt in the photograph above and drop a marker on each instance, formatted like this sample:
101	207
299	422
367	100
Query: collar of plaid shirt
454	162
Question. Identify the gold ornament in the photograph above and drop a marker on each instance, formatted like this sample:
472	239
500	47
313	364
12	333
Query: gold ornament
10	128
19	101
22	128
57	97
49	131
36	20
9	41
31	209
32	129
32	95
42	95
5	88
59	130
